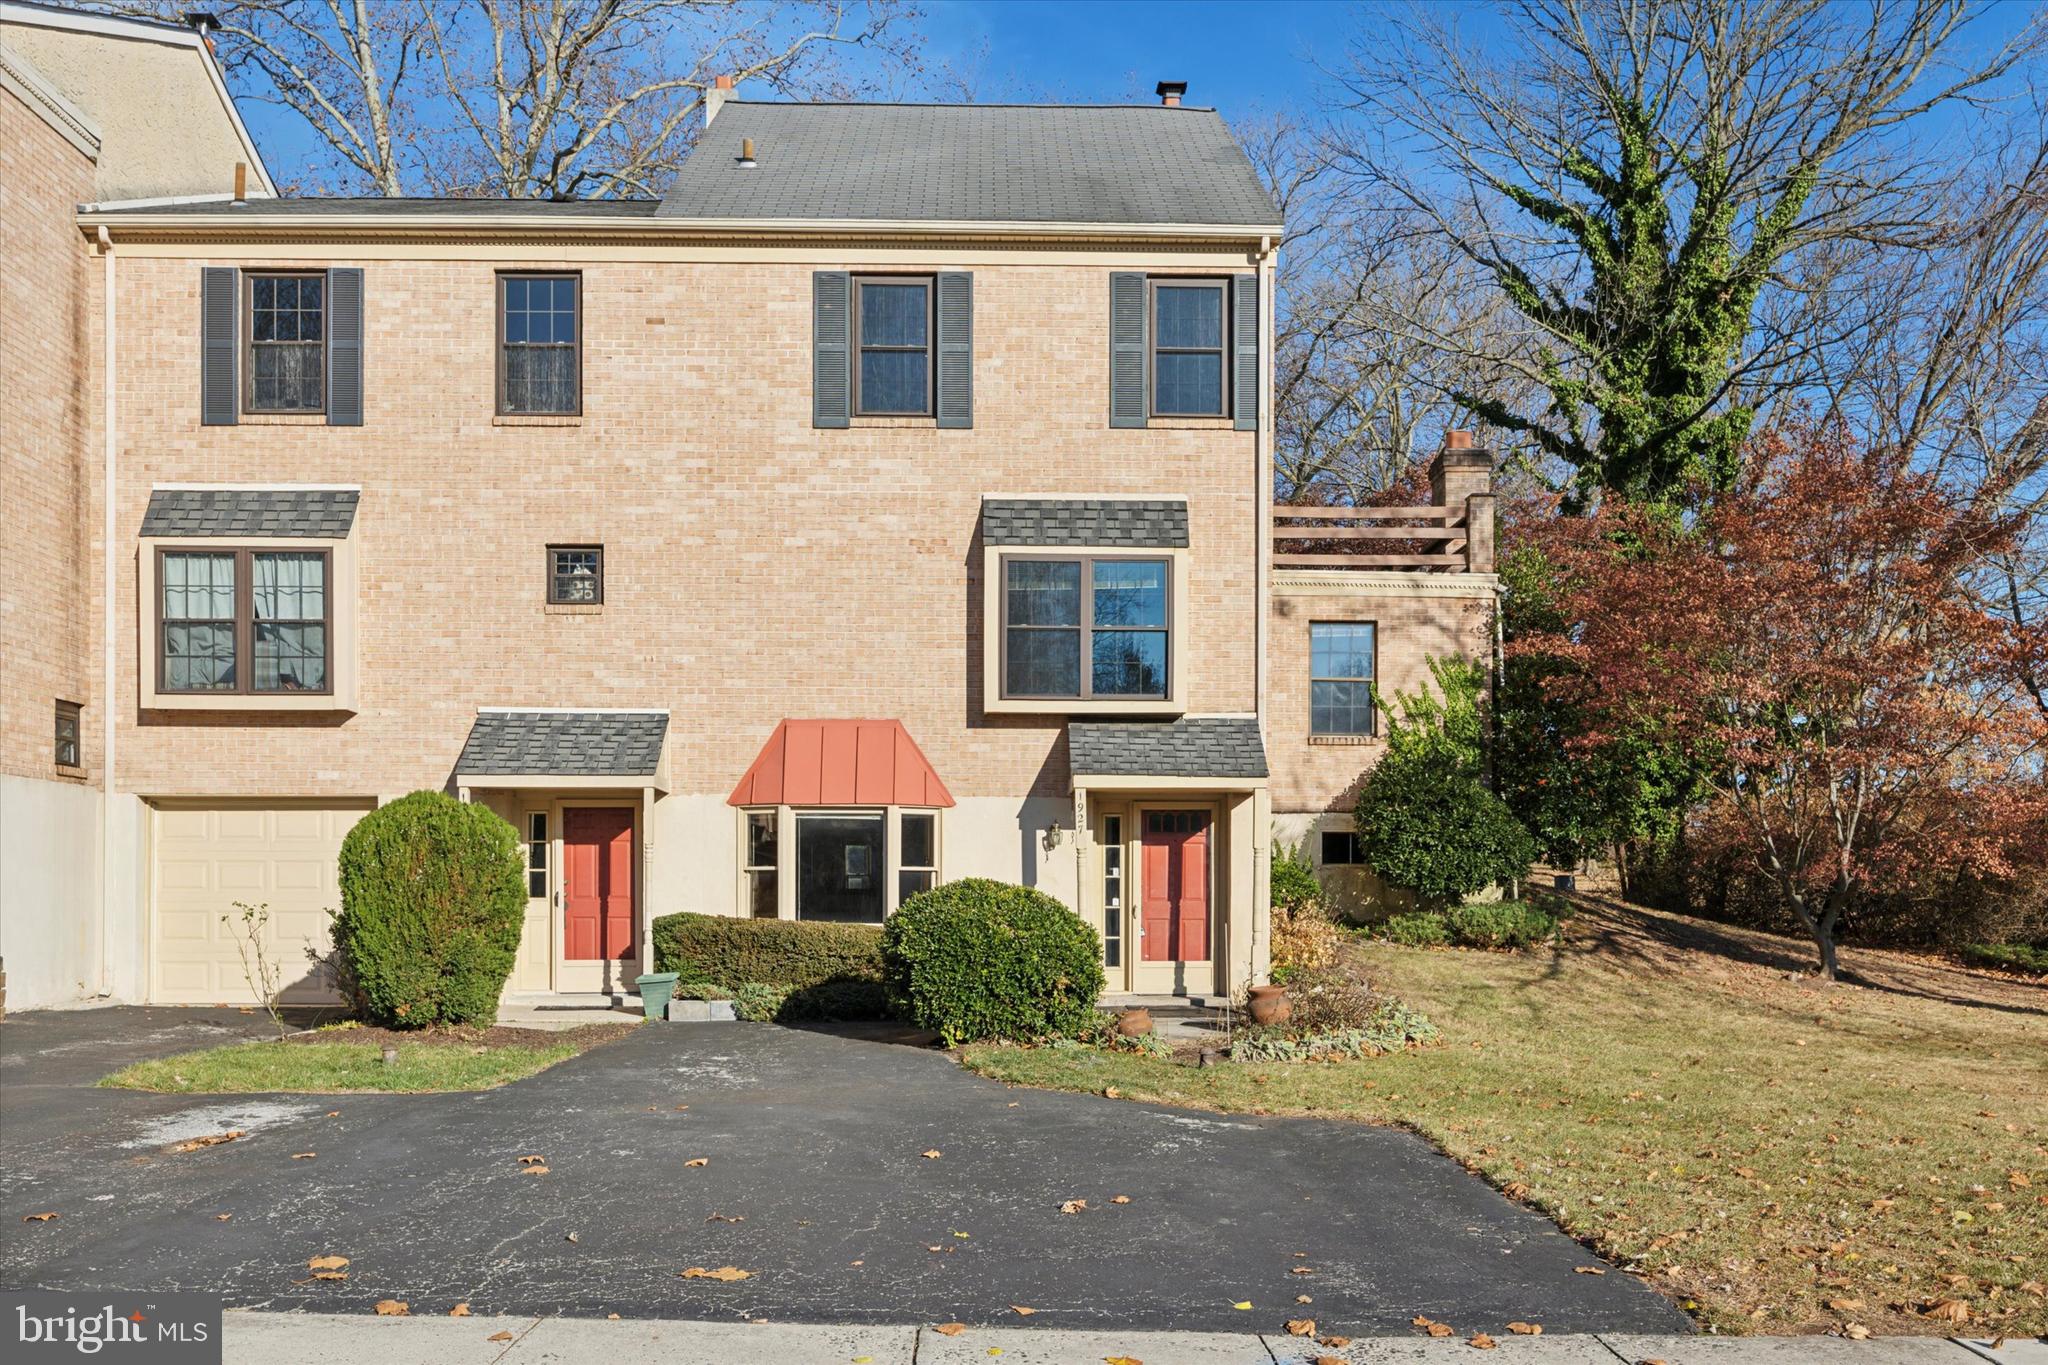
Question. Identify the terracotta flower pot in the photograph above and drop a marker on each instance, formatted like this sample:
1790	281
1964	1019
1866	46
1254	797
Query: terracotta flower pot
1270	1005
1134	1023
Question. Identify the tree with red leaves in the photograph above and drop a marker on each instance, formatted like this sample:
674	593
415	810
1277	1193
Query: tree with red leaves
1809	640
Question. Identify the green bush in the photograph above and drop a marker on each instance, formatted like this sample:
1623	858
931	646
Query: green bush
979	959
824	971
1391	1027
2008	957
1293	879
1417	929
1499	924
433	895
756	1003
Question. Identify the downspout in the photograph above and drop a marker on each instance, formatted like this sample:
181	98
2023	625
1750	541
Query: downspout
1262	501
108	729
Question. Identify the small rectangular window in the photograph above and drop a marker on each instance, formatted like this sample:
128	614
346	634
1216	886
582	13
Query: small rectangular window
760	856
1341	665
575	575
286	327
537	854
68	752
1340	848
1112	613
893	336
540	344
1189	378
919	868
1112	890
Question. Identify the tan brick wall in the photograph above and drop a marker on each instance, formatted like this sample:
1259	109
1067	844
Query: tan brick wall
756	568
46	424
1413	626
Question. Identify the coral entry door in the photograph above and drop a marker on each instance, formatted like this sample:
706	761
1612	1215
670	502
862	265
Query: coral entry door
597	898
1174	920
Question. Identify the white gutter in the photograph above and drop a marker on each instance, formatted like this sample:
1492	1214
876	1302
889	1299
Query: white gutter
109	729
160	201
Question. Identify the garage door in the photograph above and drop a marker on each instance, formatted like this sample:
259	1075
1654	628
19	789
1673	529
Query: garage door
210	856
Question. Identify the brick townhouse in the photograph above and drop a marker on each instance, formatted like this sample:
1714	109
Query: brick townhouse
888	503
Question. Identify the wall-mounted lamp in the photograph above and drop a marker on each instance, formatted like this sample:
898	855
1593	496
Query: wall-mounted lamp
1053	837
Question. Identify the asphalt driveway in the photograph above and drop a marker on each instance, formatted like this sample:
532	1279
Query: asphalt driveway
814	1182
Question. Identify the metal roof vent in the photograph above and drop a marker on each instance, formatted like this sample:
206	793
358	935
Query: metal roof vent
1170	92
746	157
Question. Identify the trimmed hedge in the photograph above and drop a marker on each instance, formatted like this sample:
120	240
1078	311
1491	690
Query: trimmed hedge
789	970
977	959
433	896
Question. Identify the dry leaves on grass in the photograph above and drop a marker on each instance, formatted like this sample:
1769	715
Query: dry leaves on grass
1845	1305
38	1217
724	1273
1947	1310
950	1329
393	1308
1073	1206
210	1140
1435	1329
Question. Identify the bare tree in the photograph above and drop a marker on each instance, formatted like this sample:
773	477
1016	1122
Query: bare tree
551	99
1633	174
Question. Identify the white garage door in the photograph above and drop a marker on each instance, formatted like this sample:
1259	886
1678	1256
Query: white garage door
210	856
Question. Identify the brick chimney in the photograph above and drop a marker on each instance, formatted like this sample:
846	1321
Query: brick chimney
1461	476
714	99
1170	92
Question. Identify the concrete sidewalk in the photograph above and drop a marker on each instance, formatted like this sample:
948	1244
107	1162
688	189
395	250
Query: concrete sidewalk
336	1339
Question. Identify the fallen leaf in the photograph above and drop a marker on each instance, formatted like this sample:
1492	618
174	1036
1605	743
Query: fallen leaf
1021	1311
1947	1310
1302	1270
1244	1307
210	1140
1121	1199
963	1236
499	1336
931	1154
1589	1270
571	1237
392	1308
37	1217
222	1217
950	1329
1327	1360
460	1310
1515	1189
1435	1329
1121	1360
535	1159
304	1156
533	1170
698	1161
1845	1305
1301	1327
727	1218
1073	1206
328	1263
1856	1331
1482	1342
725	1273
995	1350
1526	1329
1335	1343
334	1113
1110	1092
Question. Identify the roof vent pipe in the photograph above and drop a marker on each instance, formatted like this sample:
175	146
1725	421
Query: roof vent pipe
241	184
1170	92
714	99
746	156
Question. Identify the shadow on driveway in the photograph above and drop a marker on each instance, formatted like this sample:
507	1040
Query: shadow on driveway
814	1184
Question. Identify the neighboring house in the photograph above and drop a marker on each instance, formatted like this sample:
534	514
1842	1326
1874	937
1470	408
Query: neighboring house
888	504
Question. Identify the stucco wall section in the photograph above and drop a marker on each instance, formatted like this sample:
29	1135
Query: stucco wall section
1418	617
756	568
49	928
46	421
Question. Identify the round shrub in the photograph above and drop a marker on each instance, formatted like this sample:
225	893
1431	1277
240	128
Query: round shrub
1416	929
1438	832
433	893
1499	924
979	959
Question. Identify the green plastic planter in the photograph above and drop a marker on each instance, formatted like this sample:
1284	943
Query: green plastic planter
655	990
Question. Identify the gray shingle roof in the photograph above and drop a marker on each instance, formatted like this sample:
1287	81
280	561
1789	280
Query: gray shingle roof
400	208
971	163
327	513
565	743
1152	523
1193	746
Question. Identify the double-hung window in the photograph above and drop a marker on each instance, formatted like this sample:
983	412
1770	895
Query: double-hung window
540	343
1189	378
1341	677
287	348
1085	628
893	336
244	621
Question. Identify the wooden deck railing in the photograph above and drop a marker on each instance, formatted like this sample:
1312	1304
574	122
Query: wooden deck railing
1430	539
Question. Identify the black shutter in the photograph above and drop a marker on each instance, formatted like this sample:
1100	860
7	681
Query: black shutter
220	315
831	318
955	405
1244	324
1127	405
344	348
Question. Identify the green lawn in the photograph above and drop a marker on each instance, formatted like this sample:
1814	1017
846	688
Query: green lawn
336	1067
1775	1156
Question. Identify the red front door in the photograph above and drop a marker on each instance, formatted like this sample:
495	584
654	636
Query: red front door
1176	886
597	888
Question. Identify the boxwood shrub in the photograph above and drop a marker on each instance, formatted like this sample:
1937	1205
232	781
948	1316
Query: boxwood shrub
1499	924
433	894
978	959
790	969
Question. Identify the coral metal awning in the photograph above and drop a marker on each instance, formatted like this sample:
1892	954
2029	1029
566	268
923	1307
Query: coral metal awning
841	763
